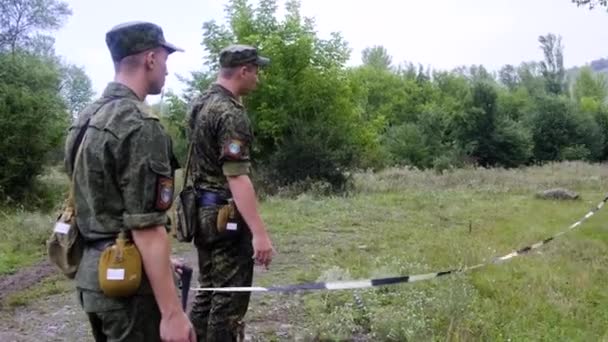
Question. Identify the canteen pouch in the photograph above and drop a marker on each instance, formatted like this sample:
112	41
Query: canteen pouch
228	218
120	268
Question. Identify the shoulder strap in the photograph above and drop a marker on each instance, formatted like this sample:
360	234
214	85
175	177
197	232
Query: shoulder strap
71	198
192	124
77	151
82	131
186	173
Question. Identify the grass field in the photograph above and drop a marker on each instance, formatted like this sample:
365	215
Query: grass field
23	232
406	222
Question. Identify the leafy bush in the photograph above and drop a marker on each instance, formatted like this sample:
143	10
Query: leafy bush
33	120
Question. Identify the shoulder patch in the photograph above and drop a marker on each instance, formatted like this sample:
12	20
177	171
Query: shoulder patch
164	193
233	149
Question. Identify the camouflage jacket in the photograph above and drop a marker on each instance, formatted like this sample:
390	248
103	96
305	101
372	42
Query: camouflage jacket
221	134
124	175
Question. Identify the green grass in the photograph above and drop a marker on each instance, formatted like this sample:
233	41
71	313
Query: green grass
408	222
23	229
400	222
24	235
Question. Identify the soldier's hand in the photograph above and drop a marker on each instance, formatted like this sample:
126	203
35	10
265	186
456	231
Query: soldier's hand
176	327
178	264
262	250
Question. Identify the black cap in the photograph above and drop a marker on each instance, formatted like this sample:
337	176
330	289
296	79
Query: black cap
134	37
236	55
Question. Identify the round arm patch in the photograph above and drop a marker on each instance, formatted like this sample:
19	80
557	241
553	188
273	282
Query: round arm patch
164	193
235	149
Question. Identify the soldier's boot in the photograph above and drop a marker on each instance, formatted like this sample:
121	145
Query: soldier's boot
239	331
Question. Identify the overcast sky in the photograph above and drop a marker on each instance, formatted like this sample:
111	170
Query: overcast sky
440	33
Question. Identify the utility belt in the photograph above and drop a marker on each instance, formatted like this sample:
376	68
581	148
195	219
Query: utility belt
210	199
227	215
101	245
186	213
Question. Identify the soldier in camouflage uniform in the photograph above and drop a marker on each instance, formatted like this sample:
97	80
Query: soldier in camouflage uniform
124	181
221	134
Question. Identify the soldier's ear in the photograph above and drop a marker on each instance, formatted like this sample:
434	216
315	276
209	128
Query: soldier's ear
150	59
242	71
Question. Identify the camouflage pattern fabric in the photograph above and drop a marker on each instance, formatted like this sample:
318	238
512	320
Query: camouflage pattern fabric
224	260
137	321
124	181
222	143
222	139
134	37
236	55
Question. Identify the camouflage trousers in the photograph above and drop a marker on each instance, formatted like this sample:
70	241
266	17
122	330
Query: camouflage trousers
134	319
225	259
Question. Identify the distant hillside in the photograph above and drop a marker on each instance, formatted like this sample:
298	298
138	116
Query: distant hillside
600	65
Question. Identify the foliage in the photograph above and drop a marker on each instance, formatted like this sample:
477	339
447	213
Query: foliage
591	86
76	88
32	119
552	68
591	3
316	119
305	120
38	92
377	57
21	21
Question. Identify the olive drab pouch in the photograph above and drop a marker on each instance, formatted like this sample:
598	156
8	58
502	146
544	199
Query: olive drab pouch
65	246
227	218
120	268
186	219
186	208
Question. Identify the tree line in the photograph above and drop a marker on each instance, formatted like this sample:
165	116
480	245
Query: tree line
39	93
314	117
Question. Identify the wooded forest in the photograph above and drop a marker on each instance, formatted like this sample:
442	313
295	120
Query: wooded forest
314	117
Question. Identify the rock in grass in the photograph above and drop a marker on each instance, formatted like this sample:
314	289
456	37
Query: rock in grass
558	194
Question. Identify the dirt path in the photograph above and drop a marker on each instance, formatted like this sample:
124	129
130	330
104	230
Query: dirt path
59	318
24	278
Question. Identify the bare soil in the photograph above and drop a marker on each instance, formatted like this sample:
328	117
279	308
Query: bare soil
59	317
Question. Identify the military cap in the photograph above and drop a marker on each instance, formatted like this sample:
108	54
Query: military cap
236	55
134	37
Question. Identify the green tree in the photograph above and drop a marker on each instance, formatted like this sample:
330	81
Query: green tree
173	116
76	88
552	126
508	77
475	73
304	102
33	114
407	145
531	78
552	68
32	119
377	57
486	136
590	85
22	20
601	119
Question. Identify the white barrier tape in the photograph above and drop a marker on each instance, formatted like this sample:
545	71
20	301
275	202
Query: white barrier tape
367	283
